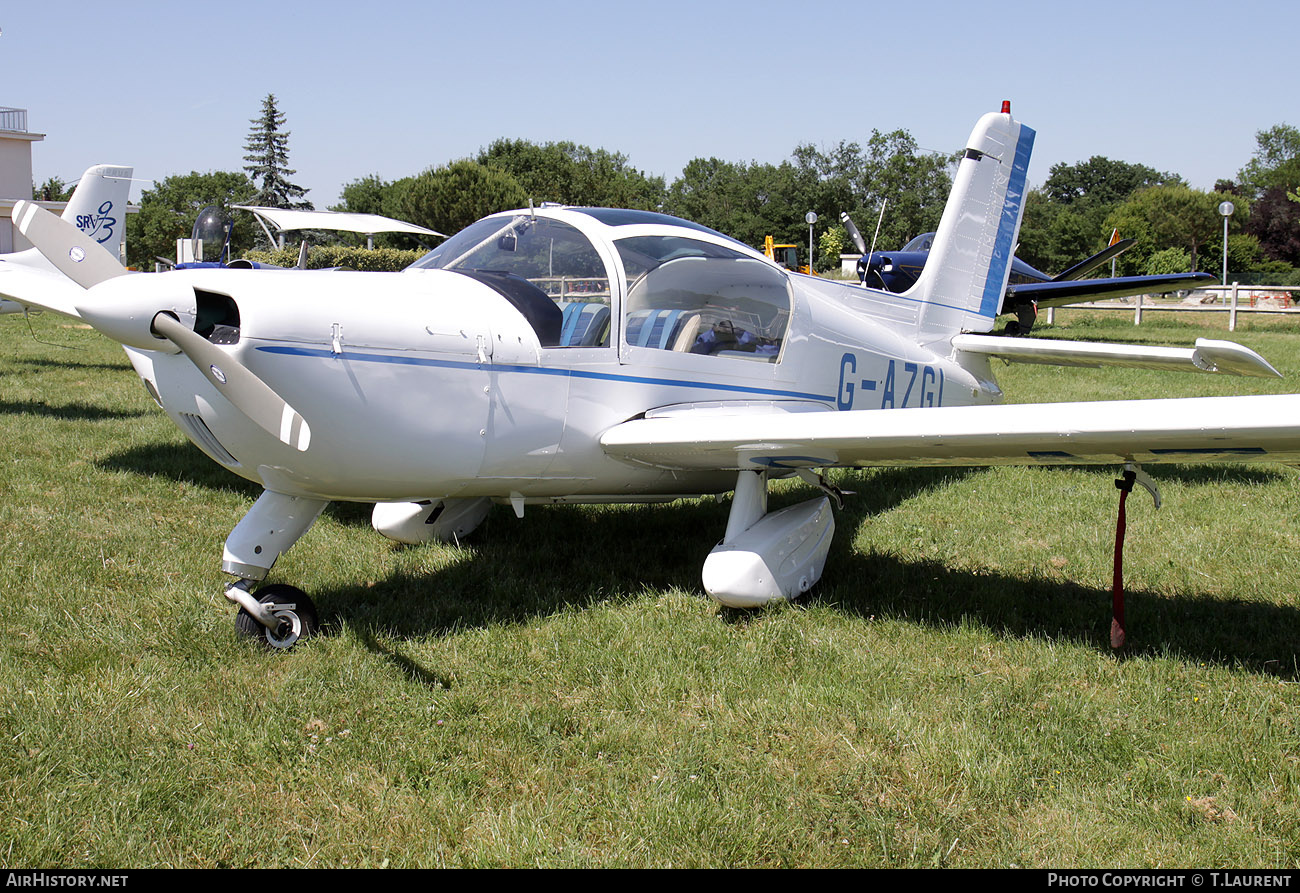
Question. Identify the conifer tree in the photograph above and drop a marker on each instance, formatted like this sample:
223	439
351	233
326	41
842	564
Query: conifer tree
268	152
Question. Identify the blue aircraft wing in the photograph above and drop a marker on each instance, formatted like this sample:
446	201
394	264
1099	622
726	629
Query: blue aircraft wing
1059	293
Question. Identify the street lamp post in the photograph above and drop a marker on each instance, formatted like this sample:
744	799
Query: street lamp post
1225	208
810	218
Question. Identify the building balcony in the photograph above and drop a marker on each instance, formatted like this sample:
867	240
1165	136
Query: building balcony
14	120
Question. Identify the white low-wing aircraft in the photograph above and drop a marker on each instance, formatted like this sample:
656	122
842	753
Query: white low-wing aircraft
97	208
598	355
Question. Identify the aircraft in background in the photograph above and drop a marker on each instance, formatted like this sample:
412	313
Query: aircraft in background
1028	289
687	363
97	208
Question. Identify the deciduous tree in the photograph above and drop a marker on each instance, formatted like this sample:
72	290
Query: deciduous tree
573	174
169	208
1101	180
1275	221
1163	217
752	200
1065	219
449	198
1276	162
52	190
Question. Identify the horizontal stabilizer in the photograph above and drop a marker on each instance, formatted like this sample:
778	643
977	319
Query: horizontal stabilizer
1225	357
1084	267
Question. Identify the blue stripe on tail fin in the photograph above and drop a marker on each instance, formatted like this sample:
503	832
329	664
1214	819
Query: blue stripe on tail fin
1004	245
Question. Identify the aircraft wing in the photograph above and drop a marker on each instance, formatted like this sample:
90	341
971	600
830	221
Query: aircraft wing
1195	429
1074	291
39	289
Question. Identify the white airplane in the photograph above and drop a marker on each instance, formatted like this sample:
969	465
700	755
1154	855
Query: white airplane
587	355
98	209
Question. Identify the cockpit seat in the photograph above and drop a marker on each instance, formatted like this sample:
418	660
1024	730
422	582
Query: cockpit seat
584	324
655	328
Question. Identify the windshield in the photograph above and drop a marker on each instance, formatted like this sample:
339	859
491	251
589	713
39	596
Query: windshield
534	248
923	242
532	260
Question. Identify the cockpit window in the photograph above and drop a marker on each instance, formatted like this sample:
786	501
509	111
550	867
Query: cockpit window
923	242
535	259
703	298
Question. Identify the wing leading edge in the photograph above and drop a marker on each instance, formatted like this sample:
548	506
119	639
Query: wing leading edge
1196	429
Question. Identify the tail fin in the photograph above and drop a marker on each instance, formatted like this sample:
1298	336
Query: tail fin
98	209
98	205
966	274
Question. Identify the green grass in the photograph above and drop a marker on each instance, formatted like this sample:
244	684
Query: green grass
559	692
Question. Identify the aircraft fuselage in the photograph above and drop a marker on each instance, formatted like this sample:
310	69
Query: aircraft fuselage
445	390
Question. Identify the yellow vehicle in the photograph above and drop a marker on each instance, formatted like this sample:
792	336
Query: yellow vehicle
785	255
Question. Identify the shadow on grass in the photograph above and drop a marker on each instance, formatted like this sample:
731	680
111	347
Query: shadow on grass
181	462
1219	474
90	365
187	464
575	557
518	570
74	412
1257	636
411	668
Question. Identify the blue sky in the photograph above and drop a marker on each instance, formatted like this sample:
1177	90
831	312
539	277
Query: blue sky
395	87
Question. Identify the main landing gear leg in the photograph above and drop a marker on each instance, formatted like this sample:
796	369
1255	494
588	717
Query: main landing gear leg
280	614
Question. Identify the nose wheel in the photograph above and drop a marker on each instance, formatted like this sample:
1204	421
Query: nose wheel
290	611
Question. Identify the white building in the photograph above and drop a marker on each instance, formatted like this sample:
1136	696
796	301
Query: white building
16	174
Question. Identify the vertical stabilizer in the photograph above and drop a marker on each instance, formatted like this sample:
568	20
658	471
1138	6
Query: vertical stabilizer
98	209
98	205
966	274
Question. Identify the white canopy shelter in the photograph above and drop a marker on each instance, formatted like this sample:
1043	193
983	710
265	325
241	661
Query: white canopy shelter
284	220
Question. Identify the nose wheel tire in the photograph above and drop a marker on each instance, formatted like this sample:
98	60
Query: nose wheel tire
292	608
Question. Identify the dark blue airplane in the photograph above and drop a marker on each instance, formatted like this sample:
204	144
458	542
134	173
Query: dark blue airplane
1028	289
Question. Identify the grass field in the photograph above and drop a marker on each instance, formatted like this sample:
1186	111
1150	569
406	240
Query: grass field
559	691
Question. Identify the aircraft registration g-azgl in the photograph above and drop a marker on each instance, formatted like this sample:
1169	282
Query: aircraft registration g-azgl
690	365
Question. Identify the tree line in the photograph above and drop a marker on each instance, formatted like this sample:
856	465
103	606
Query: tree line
1177	228
1068	218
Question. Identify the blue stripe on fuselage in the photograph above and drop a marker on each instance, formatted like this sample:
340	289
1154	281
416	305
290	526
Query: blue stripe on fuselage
538	370
1003	245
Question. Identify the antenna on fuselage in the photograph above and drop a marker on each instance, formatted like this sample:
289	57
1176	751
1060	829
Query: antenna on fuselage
883	204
